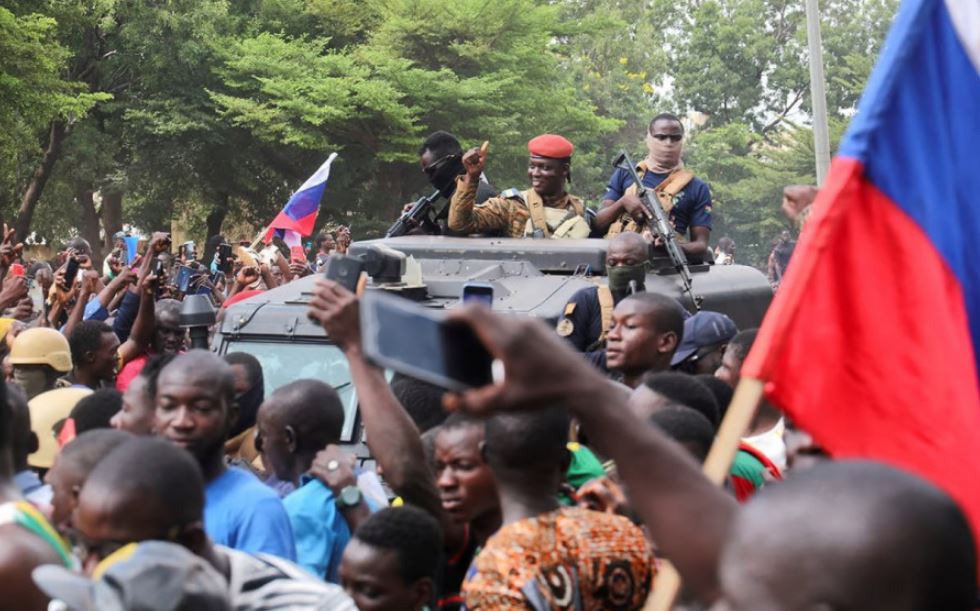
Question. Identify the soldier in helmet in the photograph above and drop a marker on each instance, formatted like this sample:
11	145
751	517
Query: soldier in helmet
545	210
39	357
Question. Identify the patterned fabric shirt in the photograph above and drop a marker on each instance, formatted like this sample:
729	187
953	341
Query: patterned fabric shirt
263	582
570	558
497	214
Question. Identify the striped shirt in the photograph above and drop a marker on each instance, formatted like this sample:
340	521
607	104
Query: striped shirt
261	581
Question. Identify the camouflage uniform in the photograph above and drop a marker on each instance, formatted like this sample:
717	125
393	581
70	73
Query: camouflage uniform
508	214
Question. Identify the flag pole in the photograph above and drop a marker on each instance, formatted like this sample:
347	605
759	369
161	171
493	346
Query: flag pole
737	419
818	94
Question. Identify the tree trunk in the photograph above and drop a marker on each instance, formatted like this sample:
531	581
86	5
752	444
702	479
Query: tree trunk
90	223
214	221
28	202
111	217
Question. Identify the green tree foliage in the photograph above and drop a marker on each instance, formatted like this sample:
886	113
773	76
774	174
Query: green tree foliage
33	92
213	111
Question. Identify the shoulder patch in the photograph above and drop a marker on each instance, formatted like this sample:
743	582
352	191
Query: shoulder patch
512	194
565	327
569	309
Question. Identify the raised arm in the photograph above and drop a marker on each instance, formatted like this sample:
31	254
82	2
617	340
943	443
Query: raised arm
686	515
392	436
90	280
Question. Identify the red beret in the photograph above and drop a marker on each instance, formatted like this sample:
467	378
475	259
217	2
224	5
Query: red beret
550	145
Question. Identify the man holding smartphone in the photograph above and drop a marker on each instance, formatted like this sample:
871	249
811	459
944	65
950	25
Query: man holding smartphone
545	210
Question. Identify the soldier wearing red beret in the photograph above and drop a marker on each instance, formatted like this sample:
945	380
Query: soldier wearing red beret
545	210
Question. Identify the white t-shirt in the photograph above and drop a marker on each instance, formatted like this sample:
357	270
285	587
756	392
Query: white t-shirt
263	582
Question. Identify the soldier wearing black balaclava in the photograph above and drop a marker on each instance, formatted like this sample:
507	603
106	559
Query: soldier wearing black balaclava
587	315
441	159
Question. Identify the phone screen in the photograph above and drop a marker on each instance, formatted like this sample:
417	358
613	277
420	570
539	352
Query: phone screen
224	258
71	271
410	339
479	292
344	270
183	279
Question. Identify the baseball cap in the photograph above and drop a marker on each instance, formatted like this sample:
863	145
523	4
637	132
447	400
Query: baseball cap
147	576
703	329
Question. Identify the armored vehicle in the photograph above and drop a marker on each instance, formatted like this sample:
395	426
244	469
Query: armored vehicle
529	277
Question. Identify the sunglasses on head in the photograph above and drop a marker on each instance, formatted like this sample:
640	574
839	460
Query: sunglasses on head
671	137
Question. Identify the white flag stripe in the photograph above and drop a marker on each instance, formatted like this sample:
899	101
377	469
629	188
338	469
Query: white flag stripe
320	175
965	15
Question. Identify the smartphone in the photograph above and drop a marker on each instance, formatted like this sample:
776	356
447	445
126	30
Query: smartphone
344	270
183	278
408	338
188	250
157	269
224	258
70	272
481	292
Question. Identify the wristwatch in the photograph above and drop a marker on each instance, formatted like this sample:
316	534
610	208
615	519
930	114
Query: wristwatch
350	496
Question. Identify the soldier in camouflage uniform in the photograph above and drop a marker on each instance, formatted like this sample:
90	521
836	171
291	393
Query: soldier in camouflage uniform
544	210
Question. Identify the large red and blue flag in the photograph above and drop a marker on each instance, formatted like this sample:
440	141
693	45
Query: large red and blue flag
872	342
298	216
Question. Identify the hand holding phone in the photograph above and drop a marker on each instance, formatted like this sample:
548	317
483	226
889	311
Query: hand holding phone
182	279
225	260
71	271
406	337
344	270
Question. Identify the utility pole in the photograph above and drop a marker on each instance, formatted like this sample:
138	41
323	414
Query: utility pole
818	95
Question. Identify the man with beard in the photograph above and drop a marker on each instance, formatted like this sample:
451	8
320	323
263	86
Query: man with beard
685	198
195	409
587	316
441	158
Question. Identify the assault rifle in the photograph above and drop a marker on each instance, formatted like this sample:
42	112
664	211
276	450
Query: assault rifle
416	216
660	227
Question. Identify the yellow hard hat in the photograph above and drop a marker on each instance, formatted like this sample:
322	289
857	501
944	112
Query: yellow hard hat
47	409
41	346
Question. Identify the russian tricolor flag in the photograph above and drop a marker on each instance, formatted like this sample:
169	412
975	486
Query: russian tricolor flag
871	342
299	214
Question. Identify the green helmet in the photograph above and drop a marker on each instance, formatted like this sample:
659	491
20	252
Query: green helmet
41	346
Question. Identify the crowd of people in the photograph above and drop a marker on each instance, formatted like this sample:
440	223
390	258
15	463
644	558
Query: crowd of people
141	473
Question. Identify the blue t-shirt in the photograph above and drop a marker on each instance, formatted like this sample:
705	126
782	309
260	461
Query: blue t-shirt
320	529
692	206
242	513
